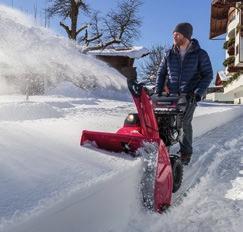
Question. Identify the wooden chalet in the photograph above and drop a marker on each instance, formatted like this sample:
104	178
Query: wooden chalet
121	59
227	20
220	78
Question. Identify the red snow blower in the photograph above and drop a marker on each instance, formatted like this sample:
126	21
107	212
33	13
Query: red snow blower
150	132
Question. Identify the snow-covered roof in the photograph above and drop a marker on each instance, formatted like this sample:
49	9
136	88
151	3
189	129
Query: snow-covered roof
133	52
223	76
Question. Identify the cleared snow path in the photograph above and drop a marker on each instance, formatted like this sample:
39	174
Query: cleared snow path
212	187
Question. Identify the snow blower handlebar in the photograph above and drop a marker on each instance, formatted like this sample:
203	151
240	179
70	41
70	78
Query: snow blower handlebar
145	109
134	87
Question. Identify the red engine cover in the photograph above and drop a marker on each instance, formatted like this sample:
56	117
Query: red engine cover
130	138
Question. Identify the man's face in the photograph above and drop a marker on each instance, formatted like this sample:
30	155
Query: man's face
178	39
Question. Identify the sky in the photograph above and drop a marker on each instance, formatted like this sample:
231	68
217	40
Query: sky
159	19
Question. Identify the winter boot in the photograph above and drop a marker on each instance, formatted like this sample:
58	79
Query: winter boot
185	158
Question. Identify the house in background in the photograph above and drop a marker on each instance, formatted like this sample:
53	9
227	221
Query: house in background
216	93
227	18
121	59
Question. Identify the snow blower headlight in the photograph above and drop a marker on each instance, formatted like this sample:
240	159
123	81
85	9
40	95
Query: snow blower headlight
132	119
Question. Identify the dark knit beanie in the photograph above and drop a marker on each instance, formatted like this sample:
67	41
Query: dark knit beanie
185	29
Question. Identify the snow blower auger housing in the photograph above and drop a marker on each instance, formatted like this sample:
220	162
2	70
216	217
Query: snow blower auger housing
156	122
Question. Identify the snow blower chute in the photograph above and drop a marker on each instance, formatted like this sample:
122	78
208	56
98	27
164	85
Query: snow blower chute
156	122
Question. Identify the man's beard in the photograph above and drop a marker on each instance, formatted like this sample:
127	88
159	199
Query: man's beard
179	43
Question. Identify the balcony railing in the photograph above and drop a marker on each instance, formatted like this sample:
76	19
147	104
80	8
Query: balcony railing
231	15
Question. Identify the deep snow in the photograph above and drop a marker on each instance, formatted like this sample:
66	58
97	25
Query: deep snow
49	183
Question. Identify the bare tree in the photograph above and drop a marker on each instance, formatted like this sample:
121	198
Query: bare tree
120	26
69	9
93	32
151	64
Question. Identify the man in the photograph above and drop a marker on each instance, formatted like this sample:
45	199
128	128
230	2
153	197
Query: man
185	69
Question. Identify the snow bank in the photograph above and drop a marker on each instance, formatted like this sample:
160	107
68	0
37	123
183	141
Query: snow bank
105	204
31	51
210	116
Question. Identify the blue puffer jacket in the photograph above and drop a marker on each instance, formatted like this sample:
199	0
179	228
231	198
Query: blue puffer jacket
192	75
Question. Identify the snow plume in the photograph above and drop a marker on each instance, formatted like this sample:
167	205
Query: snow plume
31	53
5	87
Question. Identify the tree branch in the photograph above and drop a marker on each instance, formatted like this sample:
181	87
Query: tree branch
82	28
94	38
67	29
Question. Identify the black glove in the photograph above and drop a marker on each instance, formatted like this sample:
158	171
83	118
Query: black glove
197	97
134	87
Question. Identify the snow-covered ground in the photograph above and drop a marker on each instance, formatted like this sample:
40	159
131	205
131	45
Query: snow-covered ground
48	183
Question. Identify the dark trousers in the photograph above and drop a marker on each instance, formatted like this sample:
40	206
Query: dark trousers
186	138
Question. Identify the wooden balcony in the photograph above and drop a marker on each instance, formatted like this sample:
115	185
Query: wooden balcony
231	50
233	69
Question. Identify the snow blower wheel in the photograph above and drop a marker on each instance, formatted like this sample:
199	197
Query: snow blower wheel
177	171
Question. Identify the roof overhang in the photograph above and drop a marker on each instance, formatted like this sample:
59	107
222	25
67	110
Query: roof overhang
219	16
133	52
